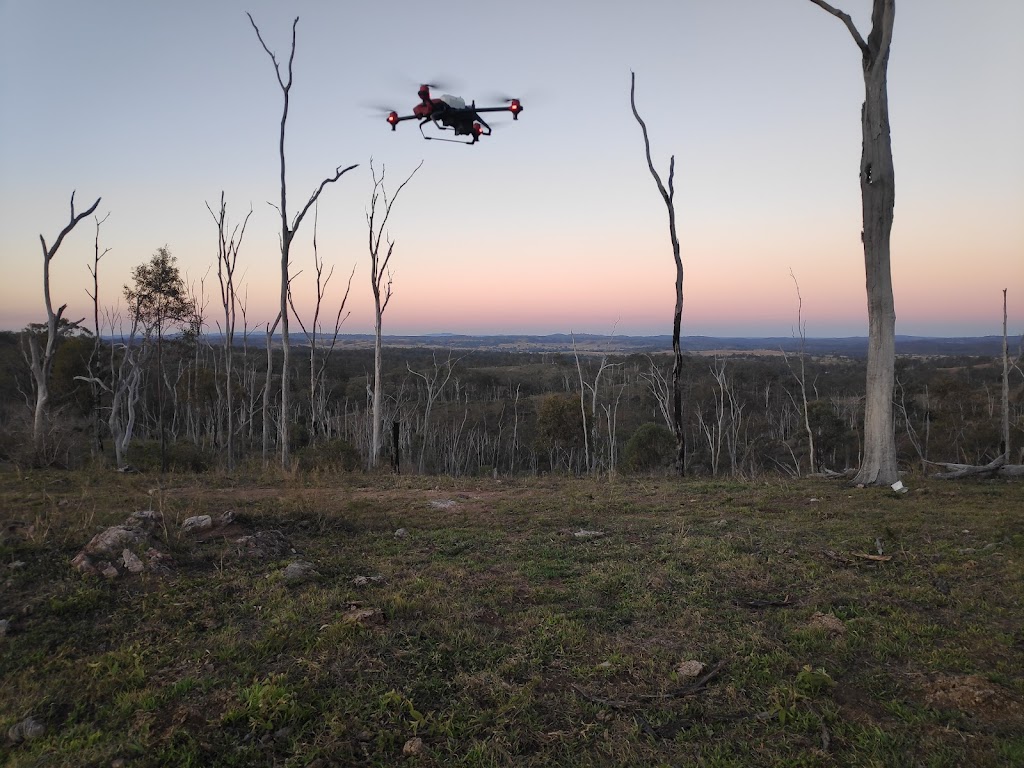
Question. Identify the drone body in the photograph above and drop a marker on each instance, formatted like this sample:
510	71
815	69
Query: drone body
450	113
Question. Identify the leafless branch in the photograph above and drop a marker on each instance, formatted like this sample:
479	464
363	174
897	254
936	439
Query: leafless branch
845	18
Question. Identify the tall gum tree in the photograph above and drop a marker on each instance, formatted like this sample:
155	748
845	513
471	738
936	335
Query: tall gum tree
288	230
878	197
668	195
41	357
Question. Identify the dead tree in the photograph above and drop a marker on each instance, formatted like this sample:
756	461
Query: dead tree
878	466
1006	386
227	258
317	397
435	385
668	195
381	290
97	346
288	230
266	388
41	358
801	377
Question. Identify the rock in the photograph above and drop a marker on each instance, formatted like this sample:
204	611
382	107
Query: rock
298	572
401	533
414	747
443	504
197	524
109	570
690	668
112	541
582	533
145	516
364	616
362	581
4	626
828	622
28	729
83	564
263	545
16	565
131	561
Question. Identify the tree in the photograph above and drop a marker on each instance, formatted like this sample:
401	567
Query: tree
41	357
878	466
801	377
288	230
318	364
435	386
227	258
668	195
381	290
159	300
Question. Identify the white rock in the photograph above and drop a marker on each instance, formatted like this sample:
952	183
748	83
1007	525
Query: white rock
110	542
132	562
690	668
583	533
196	524
27	730
298	572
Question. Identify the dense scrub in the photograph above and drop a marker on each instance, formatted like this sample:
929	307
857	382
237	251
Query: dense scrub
487	412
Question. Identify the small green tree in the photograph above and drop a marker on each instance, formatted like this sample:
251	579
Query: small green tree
651	447
158	299
560	430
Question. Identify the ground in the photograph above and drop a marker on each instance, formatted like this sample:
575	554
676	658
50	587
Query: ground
535	621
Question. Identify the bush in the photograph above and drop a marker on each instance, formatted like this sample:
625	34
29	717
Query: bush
330	454
181	456
652	446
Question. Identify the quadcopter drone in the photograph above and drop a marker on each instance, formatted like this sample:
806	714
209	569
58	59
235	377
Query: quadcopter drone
450	113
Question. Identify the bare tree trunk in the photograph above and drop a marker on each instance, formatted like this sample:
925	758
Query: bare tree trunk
318	398
378	269
266	389
434	390
95	384
41	362
227	258
1006	386
668	196
878	466
288	232
802	377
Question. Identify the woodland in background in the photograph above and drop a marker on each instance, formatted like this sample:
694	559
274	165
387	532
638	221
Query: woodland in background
458	413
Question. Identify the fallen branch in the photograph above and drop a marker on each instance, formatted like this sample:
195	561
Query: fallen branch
997	467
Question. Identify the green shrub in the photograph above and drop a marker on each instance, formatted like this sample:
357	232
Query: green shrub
651	447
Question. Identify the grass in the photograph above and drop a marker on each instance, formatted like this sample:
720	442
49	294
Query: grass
499	638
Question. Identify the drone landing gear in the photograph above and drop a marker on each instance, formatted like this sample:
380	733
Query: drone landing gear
474	130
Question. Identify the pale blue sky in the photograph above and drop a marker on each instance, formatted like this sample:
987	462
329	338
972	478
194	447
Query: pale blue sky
553	223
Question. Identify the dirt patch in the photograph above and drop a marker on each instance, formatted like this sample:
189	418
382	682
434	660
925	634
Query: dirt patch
973	695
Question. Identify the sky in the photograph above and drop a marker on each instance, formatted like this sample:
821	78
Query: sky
553	224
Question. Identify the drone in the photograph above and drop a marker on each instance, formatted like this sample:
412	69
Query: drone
451	113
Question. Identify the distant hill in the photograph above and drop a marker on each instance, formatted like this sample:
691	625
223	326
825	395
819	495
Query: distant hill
854	346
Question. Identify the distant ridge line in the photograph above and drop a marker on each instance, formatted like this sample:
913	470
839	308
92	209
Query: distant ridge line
848	346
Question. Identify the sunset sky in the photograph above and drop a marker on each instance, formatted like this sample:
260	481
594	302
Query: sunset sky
553	223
